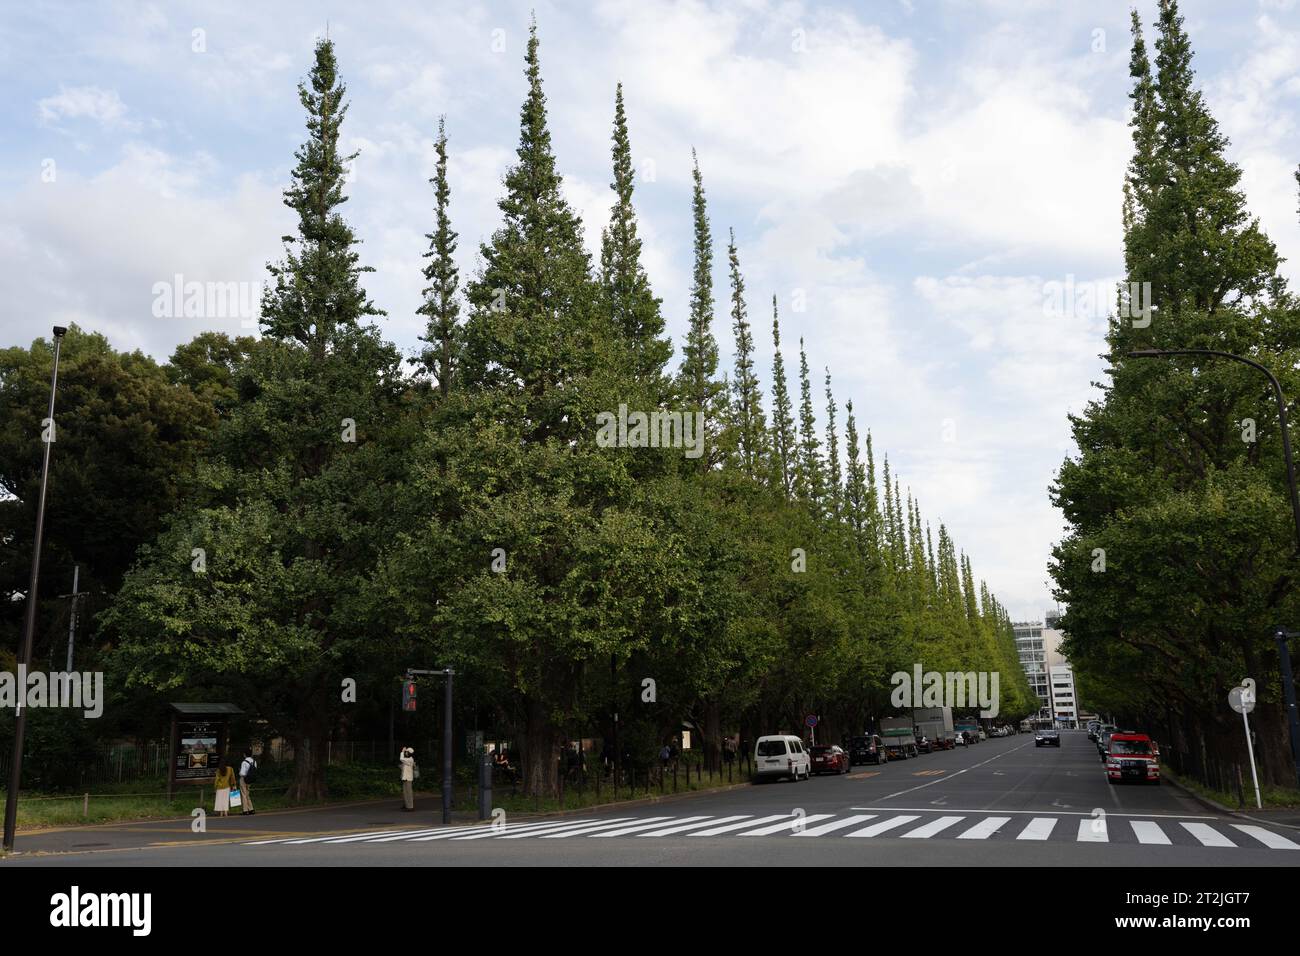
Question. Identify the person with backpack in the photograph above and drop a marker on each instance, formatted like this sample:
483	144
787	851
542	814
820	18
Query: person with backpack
247	773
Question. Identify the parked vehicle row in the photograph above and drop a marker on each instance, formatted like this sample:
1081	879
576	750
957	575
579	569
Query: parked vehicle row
900	738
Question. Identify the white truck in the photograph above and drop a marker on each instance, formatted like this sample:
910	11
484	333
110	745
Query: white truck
899	737
935	723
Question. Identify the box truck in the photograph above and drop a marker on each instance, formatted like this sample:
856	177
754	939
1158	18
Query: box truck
899	737
935	723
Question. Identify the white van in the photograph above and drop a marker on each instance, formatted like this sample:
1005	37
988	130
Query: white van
781	755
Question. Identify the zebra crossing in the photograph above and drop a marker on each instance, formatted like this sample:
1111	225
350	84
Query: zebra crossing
1151	830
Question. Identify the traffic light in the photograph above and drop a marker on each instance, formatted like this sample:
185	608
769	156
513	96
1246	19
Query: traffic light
408	695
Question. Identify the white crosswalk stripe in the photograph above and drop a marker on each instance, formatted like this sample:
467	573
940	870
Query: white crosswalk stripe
1274	841
883	826
788	824
580	831
984	829
931	828
1207	835
919	825
1093	831
718	831
1148	831
673	831
834	825
622	831
1039	828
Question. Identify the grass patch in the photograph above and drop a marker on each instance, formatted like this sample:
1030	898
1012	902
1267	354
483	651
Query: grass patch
1276	798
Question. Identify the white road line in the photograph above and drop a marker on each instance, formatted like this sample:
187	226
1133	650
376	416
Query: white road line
553	829
1093	831
931	828
788	825
882	826
1274	841
457	833
1148	831
669	831
836	825
948	777
337	838
592	829
1060	813
1039	828
715	831
404	836
643	826
487	830
984	829
1207	834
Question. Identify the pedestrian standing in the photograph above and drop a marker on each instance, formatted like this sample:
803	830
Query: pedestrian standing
247	771
407	762
225	780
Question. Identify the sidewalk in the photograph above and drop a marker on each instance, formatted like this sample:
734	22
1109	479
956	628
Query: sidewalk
381	814
377	815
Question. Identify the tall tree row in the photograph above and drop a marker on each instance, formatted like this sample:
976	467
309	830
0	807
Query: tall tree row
348	521
1180	555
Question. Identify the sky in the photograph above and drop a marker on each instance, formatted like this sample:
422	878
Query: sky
931	190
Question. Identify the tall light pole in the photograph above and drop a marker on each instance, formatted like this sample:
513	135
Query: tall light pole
29	628
1280	633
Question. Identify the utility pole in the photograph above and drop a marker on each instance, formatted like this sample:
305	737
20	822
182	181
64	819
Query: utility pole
72	614
29	626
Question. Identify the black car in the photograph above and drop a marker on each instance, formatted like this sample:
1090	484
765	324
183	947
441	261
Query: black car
1047	738
867	749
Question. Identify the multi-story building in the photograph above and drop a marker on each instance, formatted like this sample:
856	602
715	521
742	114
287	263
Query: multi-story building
1049	673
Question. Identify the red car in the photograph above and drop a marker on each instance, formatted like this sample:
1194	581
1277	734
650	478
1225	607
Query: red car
1132	757
830	759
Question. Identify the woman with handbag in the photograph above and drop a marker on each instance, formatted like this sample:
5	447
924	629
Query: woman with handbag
407	763
225	780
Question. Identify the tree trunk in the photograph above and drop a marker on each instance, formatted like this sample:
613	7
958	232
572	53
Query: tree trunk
309	750
541	751
712	735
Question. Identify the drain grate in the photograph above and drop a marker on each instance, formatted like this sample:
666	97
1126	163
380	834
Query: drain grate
82	846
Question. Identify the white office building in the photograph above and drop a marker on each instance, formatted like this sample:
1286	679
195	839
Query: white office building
1049	673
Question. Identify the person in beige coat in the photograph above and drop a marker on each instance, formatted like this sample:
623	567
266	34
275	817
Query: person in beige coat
407	763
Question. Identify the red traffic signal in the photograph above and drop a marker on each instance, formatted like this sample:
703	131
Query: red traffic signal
408	695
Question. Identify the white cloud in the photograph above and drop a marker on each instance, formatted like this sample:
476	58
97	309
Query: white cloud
104	107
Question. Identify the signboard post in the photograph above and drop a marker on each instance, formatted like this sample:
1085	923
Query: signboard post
1242	700
811	721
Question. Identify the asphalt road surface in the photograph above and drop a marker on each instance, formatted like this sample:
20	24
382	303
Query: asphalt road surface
1000	802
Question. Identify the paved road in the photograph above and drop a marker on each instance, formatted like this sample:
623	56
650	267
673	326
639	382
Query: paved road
1000	802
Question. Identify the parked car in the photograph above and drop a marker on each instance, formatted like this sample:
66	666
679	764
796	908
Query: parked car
1103	732
1132	757
781	755
1047	738
830	759
868	748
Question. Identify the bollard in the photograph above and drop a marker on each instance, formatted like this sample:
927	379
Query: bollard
485	786
85	806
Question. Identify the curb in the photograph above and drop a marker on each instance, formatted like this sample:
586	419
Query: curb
1221	808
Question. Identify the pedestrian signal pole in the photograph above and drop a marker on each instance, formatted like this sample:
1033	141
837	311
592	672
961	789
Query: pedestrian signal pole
408	703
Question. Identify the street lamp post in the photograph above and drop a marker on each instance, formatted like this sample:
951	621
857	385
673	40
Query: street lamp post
29	626
1280	634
